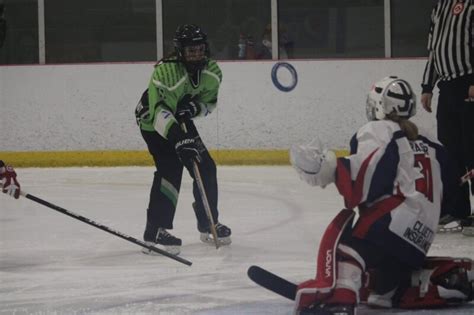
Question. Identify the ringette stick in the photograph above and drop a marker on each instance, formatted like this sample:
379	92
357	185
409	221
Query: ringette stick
103	227
202	192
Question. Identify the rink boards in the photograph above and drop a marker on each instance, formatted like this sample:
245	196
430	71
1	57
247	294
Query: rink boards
139	158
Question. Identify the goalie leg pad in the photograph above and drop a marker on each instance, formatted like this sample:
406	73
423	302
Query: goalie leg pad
453	275
349	278
331	272
381	300
412	299
442	281
345	291
326	261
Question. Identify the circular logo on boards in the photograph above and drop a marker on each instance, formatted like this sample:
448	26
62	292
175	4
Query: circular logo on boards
289	78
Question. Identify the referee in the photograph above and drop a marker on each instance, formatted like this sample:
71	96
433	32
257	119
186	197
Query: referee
450	63
3	24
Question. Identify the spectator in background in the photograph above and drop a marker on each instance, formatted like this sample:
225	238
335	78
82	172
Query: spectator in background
265	46
450	63
264	50
250	50
246	47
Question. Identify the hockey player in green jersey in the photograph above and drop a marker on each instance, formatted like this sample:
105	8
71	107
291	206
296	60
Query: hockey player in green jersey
183	86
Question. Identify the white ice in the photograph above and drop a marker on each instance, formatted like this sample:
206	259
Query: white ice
51	263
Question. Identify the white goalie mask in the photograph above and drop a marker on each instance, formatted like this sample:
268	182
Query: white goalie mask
389	95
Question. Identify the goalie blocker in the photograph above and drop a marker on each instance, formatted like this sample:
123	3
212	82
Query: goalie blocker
344	278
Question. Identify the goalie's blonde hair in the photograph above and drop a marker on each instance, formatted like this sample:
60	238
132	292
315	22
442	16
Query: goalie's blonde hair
408	127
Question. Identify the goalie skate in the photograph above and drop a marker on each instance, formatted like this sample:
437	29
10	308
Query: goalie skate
443	281
223	234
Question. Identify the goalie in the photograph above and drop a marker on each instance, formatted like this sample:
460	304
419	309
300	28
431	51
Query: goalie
401	182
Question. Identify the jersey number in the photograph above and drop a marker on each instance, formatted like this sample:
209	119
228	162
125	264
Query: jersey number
424	184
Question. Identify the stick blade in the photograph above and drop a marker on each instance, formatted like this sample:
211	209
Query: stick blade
272	282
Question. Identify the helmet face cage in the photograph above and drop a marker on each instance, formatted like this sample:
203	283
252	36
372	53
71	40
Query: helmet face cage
188	35
390	95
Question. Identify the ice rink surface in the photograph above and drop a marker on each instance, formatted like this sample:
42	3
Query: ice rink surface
53	264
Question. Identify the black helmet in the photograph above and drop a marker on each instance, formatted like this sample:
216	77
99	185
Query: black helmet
191	35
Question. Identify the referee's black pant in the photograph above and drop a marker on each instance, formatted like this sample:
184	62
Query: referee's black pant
167	183
455	118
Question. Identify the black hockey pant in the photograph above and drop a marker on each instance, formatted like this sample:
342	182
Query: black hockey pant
456	132
167	183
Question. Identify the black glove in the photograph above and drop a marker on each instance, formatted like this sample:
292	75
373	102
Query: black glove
142	111
187	108
187	150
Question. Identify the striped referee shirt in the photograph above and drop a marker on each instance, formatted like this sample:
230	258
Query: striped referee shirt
450	42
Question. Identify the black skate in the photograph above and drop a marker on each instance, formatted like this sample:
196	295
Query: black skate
468	226
330	309
223	234
458	279
449	224
168	242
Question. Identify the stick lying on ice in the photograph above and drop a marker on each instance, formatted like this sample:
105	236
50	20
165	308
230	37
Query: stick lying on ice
103	227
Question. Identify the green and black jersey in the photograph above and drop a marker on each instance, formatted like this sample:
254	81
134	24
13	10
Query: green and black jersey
169	83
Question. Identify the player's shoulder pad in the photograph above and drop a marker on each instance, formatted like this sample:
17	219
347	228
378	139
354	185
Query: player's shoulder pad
169	74
213	70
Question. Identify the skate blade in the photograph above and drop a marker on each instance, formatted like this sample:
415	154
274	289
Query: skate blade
174	250
208	239
453	227
449	230
468	231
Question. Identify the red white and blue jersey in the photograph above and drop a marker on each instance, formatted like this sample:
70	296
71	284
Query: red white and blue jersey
399	186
